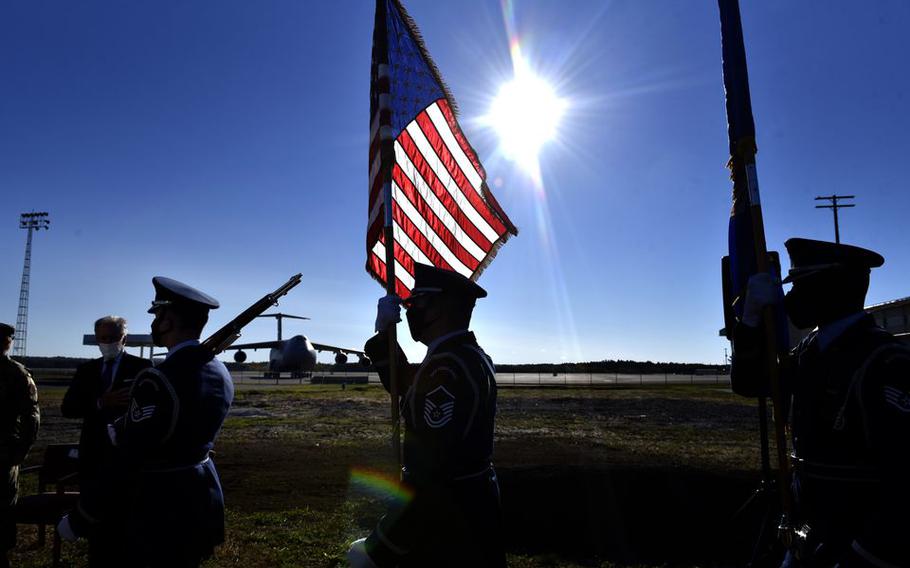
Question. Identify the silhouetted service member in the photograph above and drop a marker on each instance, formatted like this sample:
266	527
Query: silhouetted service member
174	504
449	404
19	419
850	386
98	394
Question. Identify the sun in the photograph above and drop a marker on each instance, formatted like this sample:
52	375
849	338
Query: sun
525	114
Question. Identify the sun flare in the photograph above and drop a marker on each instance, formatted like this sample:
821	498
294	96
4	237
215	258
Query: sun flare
525	114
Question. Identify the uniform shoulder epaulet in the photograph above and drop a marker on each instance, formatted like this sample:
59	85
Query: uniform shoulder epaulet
195	353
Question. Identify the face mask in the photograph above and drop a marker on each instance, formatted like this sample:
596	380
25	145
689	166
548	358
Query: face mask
158	332
110	350
800	308
420	319
416	323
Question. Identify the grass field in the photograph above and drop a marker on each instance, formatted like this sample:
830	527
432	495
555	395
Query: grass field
590	477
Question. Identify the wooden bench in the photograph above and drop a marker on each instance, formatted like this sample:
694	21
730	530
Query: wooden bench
60	471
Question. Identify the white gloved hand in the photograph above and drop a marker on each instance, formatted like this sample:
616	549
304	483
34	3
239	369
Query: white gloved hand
762	290
388	311
357	555
65	530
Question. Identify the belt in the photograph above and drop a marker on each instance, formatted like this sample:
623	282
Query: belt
487	469
464	474
175	468
835	472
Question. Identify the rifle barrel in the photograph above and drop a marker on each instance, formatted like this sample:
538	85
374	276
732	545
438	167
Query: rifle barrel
228	333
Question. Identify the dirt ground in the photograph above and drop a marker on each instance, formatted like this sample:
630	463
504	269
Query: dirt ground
590	477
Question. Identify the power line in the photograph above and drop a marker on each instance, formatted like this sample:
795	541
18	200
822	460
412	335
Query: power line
33	222
835	206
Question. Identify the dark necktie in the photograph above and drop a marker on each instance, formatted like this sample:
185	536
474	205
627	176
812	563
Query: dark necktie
107	376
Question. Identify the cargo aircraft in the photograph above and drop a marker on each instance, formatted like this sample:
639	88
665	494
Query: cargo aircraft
296	354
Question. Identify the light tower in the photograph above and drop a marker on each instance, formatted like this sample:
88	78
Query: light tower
33	222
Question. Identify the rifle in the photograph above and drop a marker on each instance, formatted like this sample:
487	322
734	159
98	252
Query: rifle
228	334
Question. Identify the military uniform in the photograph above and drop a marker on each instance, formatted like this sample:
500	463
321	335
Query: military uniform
851	425
175	503
449	407
849	386
165	487
19	420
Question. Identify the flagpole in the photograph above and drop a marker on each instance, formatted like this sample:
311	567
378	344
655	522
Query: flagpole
393	328
387	159
741	129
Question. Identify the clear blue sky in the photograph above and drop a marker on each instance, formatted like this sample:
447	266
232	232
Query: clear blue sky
225	144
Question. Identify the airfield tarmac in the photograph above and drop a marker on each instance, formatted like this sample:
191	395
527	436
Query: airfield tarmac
520	379
609	477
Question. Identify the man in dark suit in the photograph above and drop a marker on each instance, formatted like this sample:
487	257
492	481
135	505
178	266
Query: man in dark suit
98	394
166	493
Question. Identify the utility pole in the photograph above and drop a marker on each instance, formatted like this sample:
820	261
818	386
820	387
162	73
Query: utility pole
33	222
835	206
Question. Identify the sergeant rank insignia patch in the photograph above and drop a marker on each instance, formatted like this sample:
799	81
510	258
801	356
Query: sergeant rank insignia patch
897	398
140	413
438	407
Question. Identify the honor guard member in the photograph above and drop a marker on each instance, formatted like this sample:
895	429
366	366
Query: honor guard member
849	384
174	503
98	395
19	419
449	406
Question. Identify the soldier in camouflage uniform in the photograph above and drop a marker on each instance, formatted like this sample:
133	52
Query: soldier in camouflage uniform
19	419
448	404
849	385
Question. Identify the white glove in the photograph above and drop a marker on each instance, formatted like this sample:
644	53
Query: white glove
762	290
65	530
358	557
388	311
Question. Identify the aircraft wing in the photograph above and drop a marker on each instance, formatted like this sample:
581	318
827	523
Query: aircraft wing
324	347
260	345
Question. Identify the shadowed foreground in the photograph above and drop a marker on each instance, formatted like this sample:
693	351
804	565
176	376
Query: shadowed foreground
590	477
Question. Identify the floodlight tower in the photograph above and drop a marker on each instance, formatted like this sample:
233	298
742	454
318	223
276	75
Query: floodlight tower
33	222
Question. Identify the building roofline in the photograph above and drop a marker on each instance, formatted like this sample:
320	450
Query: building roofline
888	304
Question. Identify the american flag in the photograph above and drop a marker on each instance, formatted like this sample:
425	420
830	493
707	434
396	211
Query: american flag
443	213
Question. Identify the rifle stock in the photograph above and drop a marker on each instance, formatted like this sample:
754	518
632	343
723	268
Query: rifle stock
228	334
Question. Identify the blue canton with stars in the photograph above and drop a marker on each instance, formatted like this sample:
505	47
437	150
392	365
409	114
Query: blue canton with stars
413	87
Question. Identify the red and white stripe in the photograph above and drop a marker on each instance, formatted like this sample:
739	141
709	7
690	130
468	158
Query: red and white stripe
440	211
